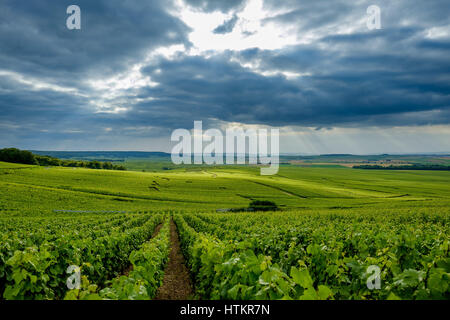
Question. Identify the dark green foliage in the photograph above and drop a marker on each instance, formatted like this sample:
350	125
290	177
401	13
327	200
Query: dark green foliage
94	165
48	161
17	156
263	205
405	167
26	157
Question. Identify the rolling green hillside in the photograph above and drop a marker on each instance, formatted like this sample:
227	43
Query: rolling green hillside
37	189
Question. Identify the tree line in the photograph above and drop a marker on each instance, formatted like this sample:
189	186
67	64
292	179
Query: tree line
406	167
26	157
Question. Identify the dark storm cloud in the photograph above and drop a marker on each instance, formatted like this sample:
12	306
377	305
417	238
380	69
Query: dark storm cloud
395	76
227	26
34	39
341	90
36	45
28	113
380	77
307	15
312	14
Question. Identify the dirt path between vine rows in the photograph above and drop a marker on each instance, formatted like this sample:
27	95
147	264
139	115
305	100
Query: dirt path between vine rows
176	283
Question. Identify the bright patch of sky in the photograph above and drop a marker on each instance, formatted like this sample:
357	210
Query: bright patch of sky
250	30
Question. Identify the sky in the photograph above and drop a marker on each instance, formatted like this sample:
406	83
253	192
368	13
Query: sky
137	70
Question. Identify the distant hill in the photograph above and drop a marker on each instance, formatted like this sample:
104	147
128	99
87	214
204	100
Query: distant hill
103	155
333	159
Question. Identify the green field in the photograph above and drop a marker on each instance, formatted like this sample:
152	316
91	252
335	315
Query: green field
333	223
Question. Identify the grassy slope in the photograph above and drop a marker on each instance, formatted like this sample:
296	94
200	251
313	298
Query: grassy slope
42	190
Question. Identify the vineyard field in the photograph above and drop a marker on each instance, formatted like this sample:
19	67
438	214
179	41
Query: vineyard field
335	228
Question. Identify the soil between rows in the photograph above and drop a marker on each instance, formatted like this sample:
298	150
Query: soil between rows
177	283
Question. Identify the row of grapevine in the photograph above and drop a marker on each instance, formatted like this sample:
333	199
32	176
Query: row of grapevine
38	270
17	234
142	282
228	270
290	255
